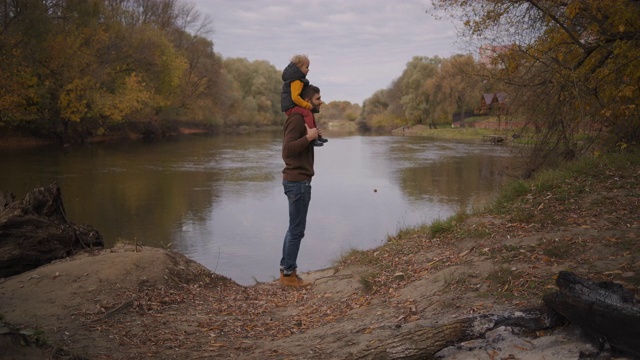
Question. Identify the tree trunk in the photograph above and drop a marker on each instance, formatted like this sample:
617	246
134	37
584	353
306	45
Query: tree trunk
35	231
426	342
605	311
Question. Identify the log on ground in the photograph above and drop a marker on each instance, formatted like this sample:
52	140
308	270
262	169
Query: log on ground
607	313
35	231
424	343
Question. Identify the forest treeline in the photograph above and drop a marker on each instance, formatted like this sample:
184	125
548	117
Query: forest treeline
75	69
430	90
72	70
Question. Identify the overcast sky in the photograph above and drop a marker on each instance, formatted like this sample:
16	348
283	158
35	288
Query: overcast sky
356	47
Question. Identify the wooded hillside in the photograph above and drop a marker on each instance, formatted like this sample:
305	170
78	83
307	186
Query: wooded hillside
74	69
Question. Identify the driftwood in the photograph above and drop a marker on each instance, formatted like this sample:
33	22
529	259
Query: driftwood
606	312
35	231
6	199
424	343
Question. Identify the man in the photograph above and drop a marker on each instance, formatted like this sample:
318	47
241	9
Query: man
297	153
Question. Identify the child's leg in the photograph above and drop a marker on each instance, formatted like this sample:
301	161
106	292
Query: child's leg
310	121
306	115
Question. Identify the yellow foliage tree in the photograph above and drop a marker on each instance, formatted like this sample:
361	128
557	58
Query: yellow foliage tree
131	96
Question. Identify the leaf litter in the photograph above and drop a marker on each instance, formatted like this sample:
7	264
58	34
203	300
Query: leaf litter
487	263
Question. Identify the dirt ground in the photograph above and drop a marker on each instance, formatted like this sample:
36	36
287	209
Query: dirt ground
147	303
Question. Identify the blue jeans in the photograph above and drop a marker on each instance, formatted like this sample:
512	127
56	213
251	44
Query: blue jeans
299	195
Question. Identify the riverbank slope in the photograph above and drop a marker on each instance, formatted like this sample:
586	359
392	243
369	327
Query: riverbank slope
146	303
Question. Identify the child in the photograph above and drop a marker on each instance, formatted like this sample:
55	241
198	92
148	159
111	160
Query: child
295	79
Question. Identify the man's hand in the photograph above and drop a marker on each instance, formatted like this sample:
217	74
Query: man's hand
312	133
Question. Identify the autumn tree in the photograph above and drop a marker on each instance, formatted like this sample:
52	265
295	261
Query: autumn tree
77	83
19	94
429	90
202	96
416	97
374	113
457	88
256	89
572	68
339	110
56	47
75	69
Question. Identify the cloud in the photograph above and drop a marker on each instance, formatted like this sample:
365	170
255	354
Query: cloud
356	47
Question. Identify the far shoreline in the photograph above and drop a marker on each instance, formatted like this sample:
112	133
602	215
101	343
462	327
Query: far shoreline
19	141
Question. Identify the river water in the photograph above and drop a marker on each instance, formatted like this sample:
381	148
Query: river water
219	200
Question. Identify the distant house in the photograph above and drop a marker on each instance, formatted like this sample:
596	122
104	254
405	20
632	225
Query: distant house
492	104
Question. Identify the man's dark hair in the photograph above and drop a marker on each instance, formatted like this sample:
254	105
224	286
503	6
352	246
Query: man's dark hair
308	92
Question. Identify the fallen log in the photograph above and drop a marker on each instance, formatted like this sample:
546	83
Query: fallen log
607	313
6	199
424	343
35	231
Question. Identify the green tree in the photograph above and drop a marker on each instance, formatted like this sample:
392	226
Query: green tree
430	90
373	107
256	86
416	99
457	88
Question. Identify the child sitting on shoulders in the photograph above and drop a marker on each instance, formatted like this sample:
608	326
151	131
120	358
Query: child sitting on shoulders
295	79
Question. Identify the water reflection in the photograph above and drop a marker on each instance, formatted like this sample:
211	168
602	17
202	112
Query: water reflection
460	174
219	200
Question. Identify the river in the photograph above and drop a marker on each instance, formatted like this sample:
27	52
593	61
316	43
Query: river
219	199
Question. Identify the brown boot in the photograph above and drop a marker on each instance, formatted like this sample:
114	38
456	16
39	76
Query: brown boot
294	280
